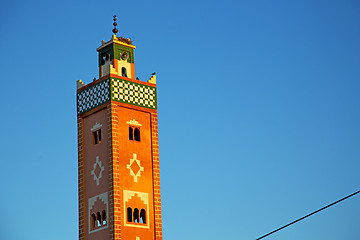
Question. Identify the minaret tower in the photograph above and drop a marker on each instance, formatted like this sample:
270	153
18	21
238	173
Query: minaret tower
118	152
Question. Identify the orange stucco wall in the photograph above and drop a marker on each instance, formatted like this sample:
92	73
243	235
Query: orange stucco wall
115	153
96	161
142	183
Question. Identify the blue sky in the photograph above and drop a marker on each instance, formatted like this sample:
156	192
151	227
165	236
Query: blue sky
258	106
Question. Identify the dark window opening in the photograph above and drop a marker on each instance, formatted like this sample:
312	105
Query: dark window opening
131	136
93	220
105	57
97	136
137	134
134	134
98	219
129	214
124	72
142	216
103	217
136	215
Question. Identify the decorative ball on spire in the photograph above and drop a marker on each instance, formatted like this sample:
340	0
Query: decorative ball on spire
115	24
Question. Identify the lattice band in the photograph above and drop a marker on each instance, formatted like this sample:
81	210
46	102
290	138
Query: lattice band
133	93
119	90
93	96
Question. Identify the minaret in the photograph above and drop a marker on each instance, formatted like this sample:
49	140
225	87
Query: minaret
118	151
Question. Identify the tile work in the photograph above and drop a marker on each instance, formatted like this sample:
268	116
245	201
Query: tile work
133	93
93	96
119	90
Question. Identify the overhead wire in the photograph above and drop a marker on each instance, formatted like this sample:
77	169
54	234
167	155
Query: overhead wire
287	225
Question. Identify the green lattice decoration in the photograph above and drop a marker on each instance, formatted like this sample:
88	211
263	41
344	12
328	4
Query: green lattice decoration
93	96
119	90
133	93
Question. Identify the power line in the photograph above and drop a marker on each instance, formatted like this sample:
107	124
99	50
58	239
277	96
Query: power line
353	194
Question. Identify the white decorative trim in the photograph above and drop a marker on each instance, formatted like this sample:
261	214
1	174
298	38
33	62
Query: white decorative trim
127	195
96	127
97	178
128	166
134	122
103	197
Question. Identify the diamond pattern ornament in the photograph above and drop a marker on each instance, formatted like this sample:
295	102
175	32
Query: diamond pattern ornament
97	171
135	167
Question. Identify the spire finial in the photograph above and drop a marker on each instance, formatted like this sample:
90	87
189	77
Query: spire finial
115	24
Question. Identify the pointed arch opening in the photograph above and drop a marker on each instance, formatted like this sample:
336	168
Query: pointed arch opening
93	220
98	219
137	134
124	72
143	216
131	135
129	214
136	215
103	217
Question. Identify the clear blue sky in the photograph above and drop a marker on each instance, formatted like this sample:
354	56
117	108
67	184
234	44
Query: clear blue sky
259	112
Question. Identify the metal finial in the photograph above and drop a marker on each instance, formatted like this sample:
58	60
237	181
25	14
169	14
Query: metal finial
115	24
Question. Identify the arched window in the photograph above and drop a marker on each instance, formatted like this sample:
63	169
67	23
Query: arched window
98	219
97	136
136	215
131	136
93	220
134	134
129	214
103	217
142	216
137	134
124	72
105	57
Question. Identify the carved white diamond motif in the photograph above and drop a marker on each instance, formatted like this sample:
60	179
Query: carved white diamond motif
135	167
97	170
